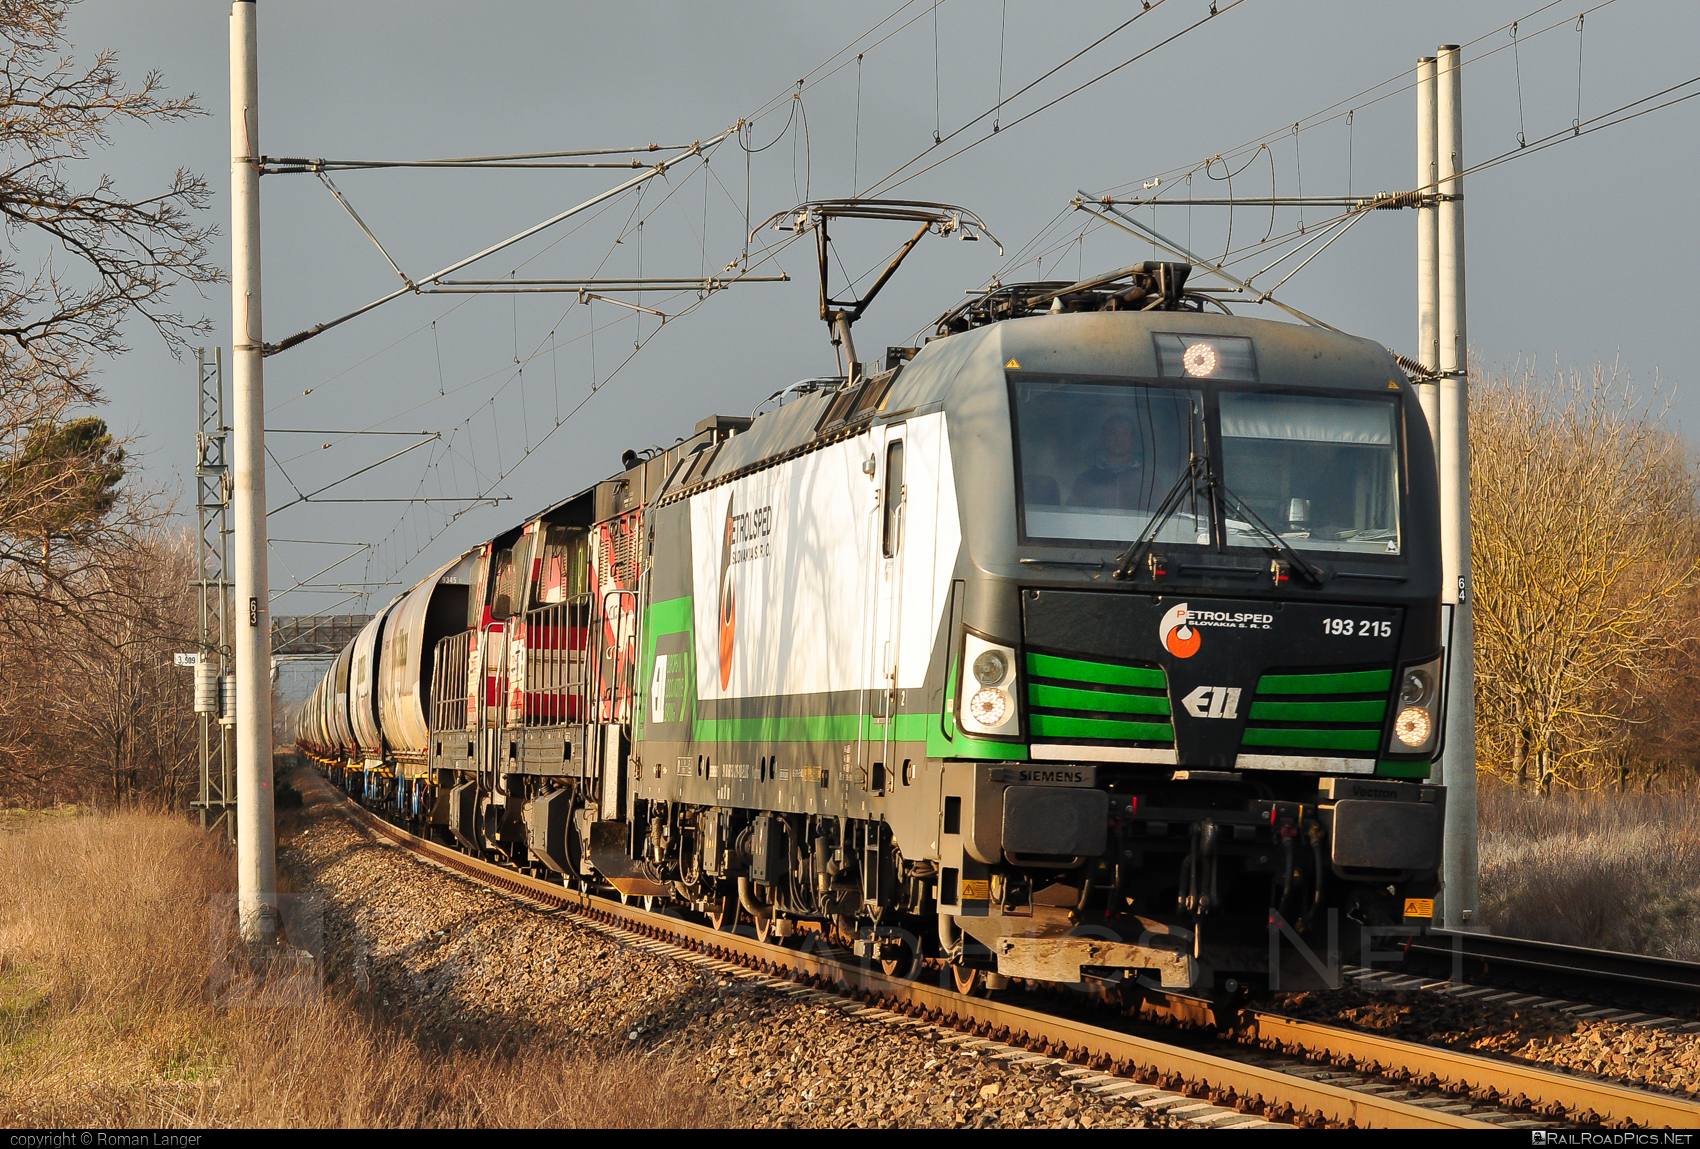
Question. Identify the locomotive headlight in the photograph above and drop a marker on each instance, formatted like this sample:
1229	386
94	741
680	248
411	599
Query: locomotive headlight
986	704
1415	689
1416	723
1413	727
1200	360
989	707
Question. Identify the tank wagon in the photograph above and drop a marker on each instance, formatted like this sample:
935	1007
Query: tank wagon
1097	638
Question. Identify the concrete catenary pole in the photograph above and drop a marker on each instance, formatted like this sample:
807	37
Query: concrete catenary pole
256	858
1458	766
1428	240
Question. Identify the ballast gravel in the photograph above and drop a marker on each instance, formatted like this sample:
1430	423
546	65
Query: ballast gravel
465	964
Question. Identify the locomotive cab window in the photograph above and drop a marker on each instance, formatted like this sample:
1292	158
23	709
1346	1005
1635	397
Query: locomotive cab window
1097	459
891	534
1321	470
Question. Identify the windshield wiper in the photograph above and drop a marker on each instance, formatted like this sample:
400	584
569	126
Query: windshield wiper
1312	573
1127	563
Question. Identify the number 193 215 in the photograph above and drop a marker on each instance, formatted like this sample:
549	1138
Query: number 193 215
1358	627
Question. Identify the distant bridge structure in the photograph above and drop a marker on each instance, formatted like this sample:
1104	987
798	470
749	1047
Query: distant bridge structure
314	635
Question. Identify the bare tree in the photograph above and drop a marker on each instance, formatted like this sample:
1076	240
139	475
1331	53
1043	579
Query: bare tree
102	256
79	261
100	712
1584	546
92	596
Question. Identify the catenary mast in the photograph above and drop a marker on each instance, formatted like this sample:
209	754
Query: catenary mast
256	858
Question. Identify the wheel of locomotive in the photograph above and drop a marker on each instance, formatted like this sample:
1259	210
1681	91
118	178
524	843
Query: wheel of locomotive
970	982
766	931
906	966
723	914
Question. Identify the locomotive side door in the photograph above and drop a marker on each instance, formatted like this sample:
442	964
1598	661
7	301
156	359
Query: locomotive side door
887	553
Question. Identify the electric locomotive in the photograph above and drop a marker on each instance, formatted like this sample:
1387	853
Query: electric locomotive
1095	639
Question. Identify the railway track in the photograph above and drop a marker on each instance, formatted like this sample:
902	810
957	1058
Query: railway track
1632	989
1276	1070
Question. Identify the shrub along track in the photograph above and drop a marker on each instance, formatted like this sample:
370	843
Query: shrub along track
1276	1069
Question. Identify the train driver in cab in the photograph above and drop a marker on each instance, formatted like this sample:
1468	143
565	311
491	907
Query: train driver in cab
1117	477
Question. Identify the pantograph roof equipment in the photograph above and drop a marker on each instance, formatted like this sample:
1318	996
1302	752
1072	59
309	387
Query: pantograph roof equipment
840	314
1147	286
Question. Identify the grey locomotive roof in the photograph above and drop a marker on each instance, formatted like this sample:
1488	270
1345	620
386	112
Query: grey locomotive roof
1118	343
773	433
1094	343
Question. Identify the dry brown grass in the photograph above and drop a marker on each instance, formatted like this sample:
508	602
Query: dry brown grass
105	1017
1614	871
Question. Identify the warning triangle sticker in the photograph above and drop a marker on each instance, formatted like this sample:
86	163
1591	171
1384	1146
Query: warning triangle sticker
1012	365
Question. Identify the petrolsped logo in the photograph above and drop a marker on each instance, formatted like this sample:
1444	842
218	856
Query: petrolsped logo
1180	637
728	601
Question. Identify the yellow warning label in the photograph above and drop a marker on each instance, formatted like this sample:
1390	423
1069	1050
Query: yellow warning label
1419	907
1012	365
1393	385
973	891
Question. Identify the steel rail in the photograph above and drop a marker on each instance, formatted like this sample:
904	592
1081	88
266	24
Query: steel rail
1074	1040
1591	1101
1553	957
1607	969
1613	1105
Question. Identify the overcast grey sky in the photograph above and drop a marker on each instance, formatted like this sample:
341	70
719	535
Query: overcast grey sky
1583	250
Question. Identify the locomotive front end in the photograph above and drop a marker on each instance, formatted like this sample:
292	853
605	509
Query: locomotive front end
1194	699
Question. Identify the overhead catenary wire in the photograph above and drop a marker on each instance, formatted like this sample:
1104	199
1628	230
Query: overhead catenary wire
309	495
800	127
1216	9
1003	32
555	345
598	385
1578	127
431	466
1358	102
881	185
938	115
1597	123
599	382
1663	98
443	389
287	165
658	168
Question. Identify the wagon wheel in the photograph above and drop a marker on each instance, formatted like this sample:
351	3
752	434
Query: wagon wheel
723	914
906	966
970	982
